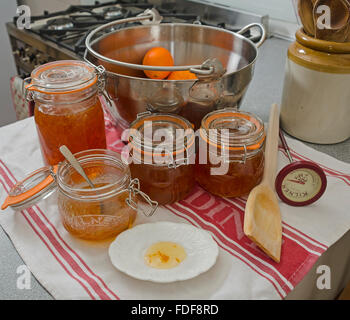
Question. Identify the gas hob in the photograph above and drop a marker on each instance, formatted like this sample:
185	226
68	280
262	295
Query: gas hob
61	35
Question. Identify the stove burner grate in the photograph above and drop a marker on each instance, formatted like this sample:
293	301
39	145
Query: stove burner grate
114	12
59	24
69	28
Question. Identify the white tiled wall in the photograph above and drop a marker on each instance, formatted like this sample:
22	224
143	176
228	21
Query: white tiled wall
277	9
282	18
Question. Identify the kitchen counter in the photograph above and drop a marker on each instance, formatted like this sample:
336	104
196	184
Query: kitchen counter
265	89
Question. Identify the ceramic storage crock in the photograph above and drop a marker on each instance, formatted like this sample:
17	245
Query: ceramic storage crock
316	95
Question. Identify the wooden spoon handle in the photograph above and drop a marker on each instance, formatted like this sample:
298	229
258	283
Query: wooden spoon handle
271	148
305	10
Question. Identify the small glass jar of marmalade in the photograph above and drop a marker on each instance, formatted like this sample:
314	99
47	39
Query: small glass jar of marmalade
94	214
106	210
230	161
67	108
162	156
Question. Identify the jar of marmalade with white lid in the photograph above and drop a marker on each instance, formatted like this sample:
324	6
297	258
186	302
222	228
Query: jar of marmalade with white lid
230	161
162	156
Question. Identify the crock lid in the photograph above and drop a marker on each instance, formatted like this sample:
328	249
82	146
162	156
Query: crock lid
64	76
36	186
230	129
168	131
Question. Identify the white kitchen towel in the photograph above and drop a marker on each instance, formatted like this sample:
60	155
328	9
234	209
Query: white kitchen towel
73	269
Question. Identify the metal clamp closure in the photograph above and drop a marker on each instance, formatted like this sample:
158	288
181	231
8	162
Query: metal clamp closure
101	86
28	95
134	190
53	170
101	78
143	114
173	164
243	160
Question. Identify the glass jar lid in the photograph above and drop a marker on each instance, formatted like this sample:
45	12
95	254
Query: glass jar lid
36	186
152	132
231	129
64	76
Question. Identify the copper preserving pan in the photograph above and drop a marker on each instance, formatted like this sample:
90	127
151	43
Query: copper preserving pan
223	61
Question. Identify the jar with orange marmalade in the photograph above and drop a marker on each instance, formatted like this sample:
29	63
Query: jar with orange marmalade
230	161
162	156
93	214
67	108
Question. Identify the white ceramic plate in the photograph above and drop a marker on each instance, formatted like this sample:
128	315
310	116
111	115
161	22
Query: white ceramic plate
128	250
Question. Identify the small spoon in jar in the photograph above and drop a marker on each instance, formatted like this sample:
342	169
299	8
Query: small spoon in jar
75	164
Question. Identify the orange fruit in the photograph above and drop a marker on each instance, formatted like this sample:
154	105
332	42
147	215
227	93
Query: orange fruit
182	75
157	56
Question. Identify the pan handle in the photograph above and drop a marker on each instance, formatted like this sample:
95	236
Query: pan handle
150	16
255	25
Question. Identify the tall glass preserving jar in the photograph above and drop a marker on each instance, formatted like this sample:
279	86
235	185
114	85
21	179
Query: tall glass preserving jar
67	108
162	156
230	160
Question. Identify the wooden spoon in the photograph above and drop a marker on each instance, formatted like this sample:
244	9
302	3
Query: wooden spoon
340	20
262	219
305	10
